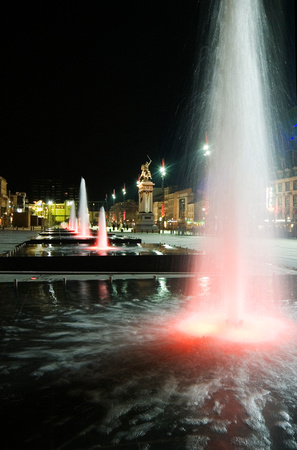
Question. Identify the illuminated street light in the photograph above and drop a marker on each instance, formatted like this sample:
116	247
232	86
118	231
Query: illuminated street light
163	173
124	193
113	201
206	150
206	146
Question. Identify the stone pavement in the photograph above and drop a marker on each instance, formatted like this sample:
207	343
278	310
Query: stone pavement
10	239
179	240
273	255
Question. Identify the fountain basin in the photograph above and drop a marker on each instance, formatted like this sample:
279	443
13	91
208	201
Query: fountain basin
66	237
142	263
95	361
68	253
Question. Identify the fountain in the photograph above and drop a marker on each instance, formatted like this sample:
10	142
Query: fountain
83	215
102	239
73	220
238	120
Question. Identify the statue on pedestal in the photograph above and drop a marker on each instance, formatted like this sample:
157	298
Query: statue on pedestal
145	218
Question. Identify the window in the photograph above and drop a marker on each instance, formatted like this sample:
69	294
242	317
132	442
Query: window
182	208
279	187
295	202
287	185
295	185
287	202
279	202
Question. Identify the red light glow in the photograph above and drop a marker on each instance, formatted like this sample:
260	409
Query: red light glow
253	329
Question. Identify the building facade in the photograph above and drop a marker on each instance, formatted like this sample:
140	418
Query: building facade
182	209
4	203
281	198
54	190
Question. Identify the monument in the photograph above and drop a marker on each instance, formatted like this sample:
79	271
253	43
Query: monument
145	217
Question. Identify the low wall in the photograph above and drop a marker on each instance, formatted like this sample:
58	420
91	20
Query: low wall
118	264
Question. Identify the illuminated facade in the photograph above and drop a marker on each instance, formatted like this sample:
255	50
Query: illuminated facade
4	203
181	209
51	213
281	197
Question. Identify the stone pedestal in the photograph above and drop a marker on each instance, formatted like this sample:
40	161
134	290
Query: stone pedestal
145	222
145	217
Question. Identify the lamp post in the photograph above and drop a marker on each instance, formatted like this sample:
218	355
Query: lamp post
163	173
124	212
113	202
207	153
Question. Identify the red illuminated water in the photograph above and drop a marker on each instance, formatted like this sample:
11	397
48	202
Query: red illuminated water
102	238
253	329
261	321
237	119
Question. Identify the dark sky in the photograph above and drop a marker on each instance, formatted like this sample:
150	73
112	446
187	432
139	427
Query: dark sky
91	87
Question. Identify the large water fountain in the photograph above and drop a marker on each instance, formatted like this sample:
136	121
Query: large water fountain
238	121
83	214
72	225
102	238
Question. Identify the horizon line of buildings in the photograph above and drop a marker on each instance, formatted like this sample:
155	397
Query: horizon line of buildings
172	208
181	207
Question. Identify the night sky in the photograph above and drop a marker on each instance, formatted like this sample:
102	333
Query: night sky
90	88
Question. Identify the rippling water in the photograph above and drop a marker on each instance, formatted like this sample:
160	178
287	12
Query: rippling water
102	364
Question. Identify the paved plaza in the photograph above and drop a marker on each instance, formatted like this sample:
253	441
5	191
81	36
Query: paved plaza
278	255
10	239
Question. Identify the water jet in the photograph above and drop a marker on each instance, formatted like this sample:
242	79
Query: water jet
73	220
83	214
237	118
102	238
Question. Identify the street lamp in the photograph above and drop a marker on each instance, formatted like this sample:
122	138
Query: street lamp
206	146
206	150
163	173
163	170
124	212
113	201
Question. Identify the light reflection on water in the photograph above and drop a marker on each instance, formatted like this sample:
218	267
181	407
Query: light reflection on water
99	362
45	250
